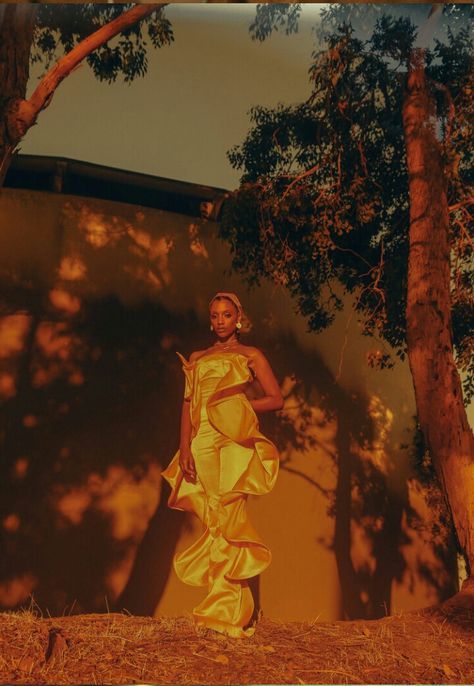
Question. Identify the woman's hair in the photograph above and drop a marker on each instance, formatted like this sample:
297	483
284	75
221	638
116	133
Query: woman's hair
232	297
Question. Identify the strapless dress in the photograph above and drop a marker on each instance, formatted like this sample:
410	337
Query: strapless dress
233	459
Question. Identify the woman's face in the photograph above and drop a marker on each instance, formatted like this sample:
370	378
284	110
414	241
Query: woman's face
224	317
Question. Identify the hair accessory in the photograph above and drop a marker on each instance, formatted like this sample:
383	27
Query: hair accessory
230	296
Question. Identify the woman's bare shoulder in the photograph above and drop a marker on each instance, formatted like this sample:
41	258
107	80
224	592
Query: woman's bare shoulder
196	355
252	352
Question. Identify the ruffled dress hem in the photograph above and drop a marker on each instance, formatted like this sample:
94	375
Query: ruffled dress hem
225	628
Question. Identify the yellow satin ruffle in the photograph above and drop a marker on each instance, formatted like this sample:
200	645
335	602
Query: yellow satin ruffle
233	459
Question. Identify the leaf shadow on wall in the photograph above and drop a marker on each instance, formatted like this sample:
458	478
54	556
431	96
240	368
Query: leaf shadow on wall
93	419
375	519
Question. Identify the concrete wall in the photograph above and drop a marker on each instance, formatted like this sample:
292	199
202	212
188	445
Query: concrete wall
96	297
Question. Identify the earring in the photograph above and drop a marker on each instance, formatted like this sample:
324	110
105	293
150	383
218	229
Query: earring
239	325
211	328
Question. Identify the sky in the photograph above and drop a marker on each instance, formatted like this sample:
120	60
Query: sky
191	107
179	121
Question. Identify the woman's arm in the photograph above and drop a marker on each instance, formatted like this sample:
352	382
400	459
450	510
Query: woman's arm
186	459
273	399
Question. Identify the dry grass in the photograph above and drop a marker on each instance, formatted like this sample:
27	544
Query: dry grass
430	646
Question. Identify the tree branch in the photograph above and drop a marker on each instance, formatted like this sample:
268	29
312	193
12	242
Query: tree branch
28	110
463	203
313	482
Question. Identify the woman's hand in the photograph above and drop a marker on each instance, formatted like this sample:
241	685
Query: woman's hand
187	464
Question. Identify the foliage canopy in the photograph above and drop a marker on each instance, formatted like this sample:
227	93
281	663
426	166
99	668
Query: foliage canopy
324	187
60	27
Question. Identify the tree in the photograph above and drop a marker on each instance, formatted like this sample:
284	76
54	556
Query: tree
368	184
39	32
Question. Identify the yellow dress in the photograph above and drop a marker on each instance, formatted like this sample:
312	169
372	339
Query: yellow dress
233	459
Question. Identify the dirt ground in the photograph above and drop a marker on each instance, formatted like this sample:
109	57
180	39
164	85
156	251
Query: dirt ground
431	646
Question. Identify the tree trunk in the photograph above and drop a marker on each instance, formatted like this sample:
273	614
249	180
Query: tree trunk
437	385
17	23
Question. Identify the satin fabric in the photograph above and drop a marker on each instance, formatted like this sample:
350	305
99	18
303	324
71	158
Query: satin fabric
233	459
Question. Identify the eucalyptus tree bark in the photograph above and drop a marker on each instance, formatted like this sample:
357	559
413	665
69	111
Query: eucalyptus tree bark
17	23
441	412
19	114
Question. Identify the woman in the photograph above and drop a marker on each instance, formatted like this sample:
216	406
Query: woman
222	459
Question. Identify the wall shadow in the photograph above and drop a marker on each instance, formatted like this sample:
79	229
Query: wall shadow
77	451
151	567
370	494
